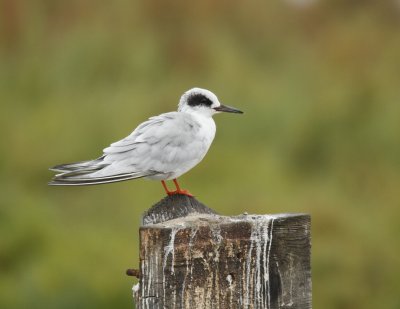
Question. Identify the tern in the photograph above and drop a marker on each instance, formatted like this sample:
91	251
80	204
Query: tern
162	148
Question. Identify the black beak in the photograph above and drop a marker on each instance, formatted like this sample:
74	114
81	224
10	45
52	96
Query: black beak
227	109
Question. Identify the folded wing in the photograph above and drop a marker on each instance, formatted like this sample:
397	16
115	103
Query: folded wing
157	147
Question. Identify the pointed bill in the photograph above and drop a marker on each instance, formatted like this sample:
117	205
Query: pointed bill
227	109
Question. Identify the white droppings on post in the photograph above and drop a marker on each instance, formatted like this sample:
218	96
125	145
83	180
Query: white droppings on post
135	290
231	287
266	272
169	249
259	243
248	269
230	280
144	268
149	269
268	258
258	274
156	272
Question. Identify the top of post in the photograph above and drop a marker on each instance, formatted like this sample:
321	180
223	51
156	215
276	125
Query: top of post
172	207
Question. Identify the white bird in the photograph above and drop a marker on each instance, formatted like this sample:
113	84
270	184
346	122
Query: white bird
161	148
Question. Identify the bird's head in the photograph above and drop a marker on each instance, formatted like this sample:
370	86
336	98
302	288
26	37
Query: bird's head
203	101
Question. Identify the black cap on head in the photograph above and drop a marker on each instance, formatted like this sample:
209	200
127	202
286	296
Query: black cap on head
198	99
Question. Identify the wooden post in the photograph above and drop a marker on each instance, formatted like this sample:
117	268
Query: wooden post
204	260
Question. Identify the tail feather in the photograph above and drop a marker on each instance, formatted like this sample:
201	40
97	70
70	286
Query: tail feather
80	178
69	167
81	174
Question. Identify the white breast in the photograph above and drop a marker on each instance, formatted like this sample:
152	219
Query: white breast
188	150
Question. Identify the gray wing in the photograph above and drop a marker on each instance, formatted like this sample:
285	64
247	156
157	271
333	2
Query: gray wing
161	144
156	147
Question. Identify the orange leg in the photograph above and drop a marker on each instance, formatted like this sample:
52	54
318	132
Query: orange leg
166	188
178	189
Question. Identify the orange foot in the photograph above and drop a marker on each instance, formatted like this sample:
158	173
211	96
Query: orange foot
183	192
177	191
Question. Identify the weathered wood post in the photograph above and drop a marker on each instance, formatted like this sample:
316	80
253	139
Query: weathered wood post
191	257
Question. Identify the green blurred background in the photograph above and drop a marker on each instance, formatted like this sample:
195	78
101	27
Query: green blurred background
319	84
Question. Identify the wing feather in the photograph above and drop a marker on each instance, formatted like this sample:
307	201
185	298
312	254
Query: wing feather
162	145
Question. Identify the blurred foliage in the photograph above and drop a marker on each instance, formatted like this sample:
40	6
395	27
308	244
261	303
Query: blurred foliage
319	84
